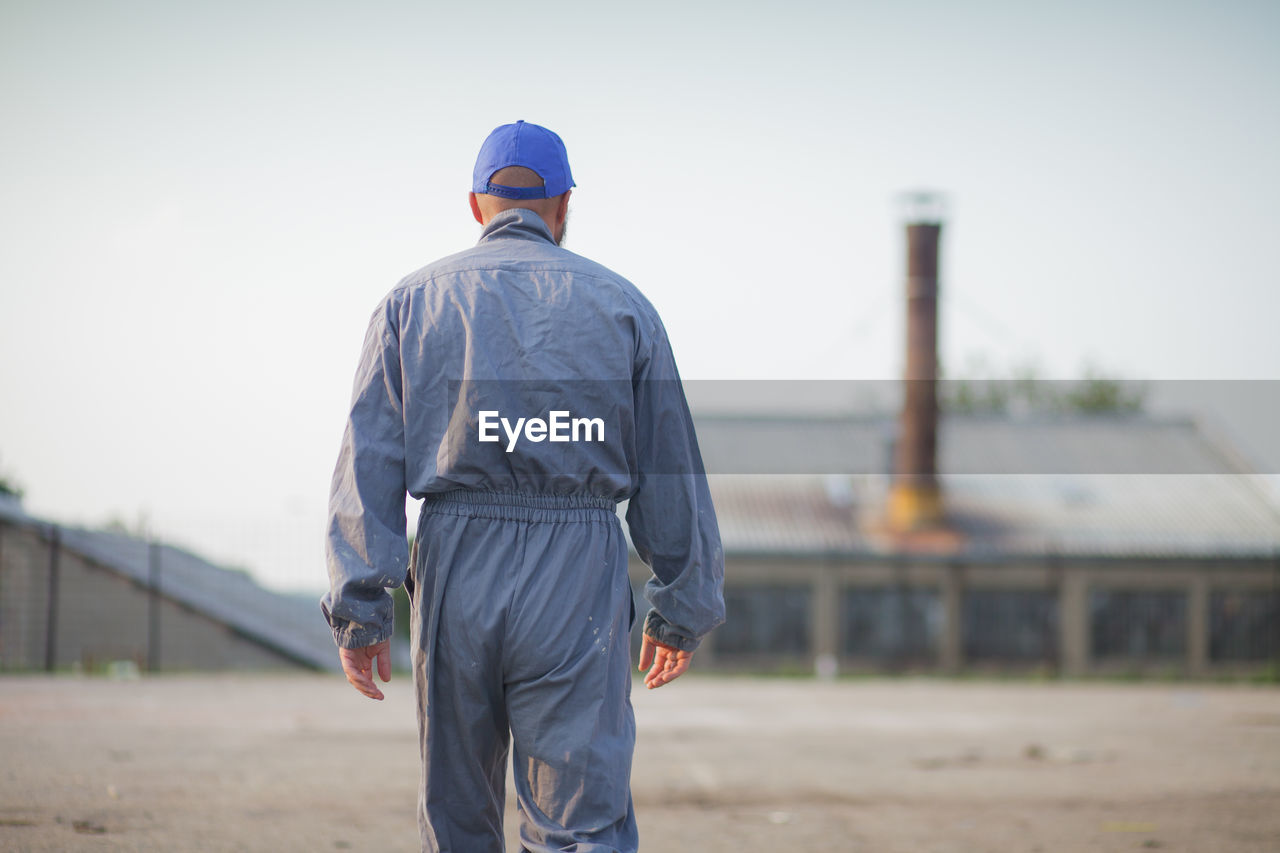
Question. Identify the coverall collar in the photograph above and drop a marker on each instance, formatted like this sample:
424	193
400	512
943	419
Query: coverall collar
519	223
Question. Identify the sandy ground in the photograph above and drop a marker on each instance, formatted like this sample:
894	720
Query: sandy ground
284	763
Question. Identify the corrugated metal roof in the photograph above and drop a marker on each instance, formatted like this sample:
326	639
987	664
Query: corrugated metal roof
1115	504
782	514
286	624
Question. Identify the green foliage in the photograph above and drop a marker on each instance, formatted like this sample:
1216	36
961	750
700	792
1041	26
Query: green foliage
140	528
1270	674
1025	392
9	487
403	610
1096	394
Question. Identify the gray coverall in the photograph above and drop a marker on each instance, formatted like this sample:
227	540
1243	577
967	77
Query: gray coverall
522	605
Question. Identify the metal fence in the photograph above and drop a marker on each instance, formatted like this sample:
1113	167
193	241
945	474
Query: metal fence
89	600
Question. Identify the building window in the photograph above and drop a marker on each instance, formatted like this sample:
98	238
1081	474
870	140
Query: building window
1137	624
893	624
1244	625
1010	625
766	620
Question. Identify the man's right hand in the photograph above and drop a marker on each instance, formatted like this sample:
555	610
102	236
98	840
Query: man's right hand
665	663
358	665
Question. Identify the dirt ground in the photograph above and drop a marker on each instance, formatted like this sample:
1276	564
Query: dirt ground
285	763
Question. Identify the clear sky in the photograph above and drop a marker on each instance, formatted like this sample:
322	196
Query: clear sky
203	202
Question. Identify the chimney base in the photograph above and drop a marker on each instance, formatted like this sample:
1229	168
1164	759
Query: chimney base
914	506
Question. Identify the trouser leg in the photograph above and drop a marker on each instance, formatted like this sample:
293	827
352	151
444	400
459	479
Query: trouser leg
568	690
523	621
462	719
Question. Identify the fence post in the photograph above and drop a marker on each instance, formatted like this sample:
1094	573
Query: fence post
1275	623
826	615
1053	629
951	654
51	609
1198	624
5	651
1073	614
153	606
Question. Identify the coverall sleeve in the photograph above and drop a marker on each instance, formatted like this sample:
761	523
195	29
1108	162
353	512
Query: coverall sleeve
670	515
366	546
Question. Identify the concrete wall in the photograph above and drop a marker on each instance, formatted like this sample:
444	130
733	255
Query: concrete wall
23	598
102	616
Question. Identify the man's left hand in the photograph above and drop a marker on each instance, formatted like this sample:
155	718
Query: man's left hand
665	663
358	665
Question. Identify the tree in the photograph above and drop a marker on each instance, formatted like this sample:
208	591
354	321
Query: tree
1025	392
10	486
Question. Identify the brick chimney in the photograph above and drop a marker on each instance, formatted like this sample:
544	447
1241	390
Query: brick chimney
915	500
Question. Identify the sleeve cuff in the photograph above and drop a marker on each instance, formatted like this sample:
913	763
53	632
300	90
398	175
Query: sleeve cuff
662	631
354	635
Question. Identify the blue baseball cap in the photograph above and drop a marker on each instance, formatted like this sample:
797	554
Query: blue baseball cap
523	144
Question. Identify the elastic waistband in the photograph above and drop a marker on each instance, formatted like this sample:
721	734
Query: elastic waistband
513	504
